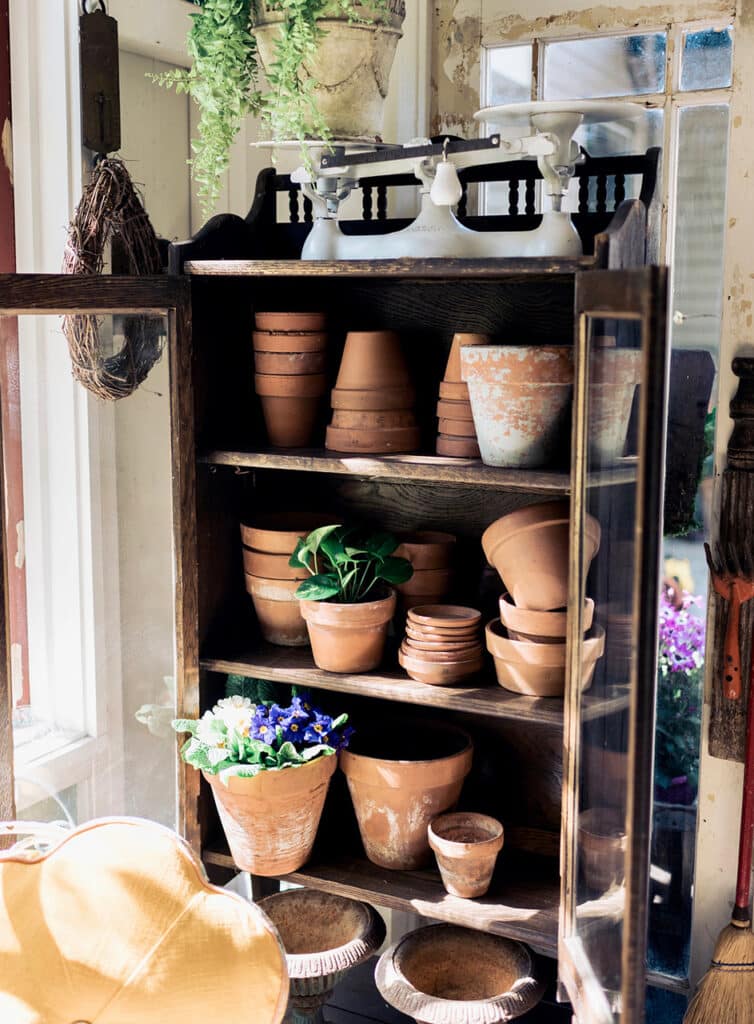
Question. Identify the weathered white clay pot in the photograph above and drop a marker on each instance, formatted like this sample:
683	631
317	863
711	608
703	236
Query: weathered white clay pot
520	400
350	69
537	669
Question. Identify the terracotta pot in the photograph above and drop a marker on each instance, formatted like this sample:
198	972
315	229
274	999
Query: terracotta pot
272	567
371	400
453	369
290	363
445	974
602	844
457	447
427	549
379	441
295	341
290	321
399	781
348	637
536	669
278	534
427	581
438	673
372	360
409	601
529	549
454	392
449	410
347	419
289	420
517	364
526	624
307	385
446	617
278	612
457	428
614	376
466	846
270	820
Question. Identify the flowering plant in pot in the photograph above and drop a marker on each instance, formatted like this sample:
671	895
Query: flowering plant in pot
269	767
348	602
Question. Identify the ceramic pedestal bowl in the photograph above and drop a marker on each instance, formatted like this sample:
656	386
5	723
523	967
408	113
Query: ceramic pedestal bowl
443	974
324	936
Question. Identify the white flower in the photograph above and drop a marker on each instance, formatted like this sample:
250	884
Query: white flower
235	713
210	730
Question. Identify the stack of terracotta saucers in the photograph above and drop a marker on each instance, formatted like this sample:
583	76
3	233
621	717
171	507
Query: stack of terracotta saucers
289	360
456	432
442	644
373	398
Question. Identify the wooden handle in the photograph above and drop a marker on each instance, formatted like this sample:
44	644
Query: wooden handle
732	656
741	913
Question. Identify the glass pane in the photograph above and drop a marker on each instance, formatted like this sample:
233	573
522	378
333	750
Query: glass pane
93	657
604	66
508	75
707	60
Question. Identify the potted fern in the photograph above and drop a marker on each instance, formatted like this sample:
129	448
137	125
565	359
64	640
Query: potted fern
327	65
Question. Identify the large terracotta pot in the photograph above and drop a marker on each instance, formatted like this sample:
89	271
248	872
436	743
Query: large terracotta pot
349	71
399	783
348	637
271	820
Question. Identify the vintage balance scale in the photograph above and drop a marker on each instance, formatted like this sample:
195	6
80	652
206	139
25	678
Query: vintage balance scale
541	131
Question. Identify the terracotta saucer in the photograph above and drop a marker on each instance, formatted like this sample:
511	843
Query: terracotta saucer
455	392
454	410
348	419
457	447
442	646
438	674
376	442
442	657
457	428
448	616
458	636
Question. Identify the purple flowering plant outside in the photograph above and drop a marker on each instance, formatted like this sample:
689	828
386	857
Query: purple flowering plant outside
238	737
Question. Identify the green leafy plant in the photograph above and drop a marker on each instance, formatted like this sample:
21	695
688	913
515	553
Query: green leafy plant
346	565
223	77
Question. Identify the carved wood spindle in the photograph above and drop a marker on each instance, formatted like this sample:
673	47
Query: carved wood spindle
601	193
530	197
293	214
513	197
307	210
382	202
366	202
620	188
583	194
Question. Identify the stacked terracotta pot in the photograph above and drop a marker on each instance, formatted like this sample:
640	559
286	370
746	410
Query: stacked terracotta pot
373	399
456	431
529	549
289	362
431	555
272	583
442	644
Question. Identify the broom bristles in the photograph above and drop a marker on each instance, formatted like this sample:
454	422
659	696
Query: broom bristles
726	992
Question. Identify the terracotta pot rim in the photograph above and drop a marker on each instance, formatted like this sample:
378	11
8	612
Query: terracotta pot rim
347	755
451	846
430	658
506	649
548	623
260	785
428	615
383	606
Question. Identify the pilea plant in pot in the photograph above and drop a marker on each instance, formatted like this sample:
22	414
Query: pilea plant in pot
348	601
327	65
269	767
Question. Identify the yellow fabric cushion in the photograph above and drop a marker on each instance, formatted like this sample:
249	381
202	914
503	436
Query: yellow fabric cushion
118	925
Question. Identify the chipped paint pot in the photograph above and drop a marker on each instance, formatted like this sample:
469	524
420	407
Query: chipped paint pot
399	783
520	400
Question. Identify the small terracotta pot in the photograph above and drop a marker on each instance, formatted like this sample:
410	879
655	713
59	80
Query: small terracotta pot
288	363
457	447
347	419
454	392
470	652
372	359
438	673
379	441
289	420
453	368
348	637
271	819
272	567
529	549
278	613
399	781
466	846
278	534
427	549
290	321
297	341
602	844
449	410
446	616
457	428
307	385
426	581
370	400
536	669
526	624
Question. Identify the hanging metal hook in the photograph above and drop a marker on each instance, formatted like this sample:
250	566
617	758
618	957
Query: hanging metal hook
85	6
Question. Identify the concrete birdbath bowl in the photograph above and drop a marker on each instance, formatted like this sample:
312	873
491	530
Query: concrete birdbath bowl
444	974
324	936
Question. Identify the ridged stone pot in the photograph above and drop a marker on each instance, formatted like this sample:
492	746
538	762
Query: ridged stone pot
444	974
399	781
271	820
348	637
324	936
350	69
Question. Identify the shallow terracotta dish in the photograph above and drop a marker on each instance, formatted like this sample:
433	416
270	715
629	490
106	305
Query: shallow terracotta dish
365	442
457	428
528	624
290	362
289	341
442	636
454	410
290	321
457	447
454	392
447	616
372	400
466	846
536	669
279	534
272	567
349	419
306	385
471	653
438	673
457	649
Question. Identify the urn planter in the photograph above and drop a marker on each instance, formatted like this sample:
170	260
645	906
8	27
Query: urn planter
348	637
466	846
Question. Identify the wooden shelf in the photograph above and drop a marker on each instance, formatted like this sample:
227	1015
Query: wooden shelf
518	908
417	468
482	696
530	268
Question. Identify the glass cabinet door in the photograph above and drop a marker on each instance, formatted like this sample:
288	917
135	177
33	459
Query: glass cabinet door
617	471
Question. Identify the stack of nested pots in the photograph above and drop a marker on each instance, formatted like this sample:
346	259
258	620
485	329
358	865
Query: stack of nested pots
456	434
373	399
431	556
530	550
442	644
270	580
290	379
